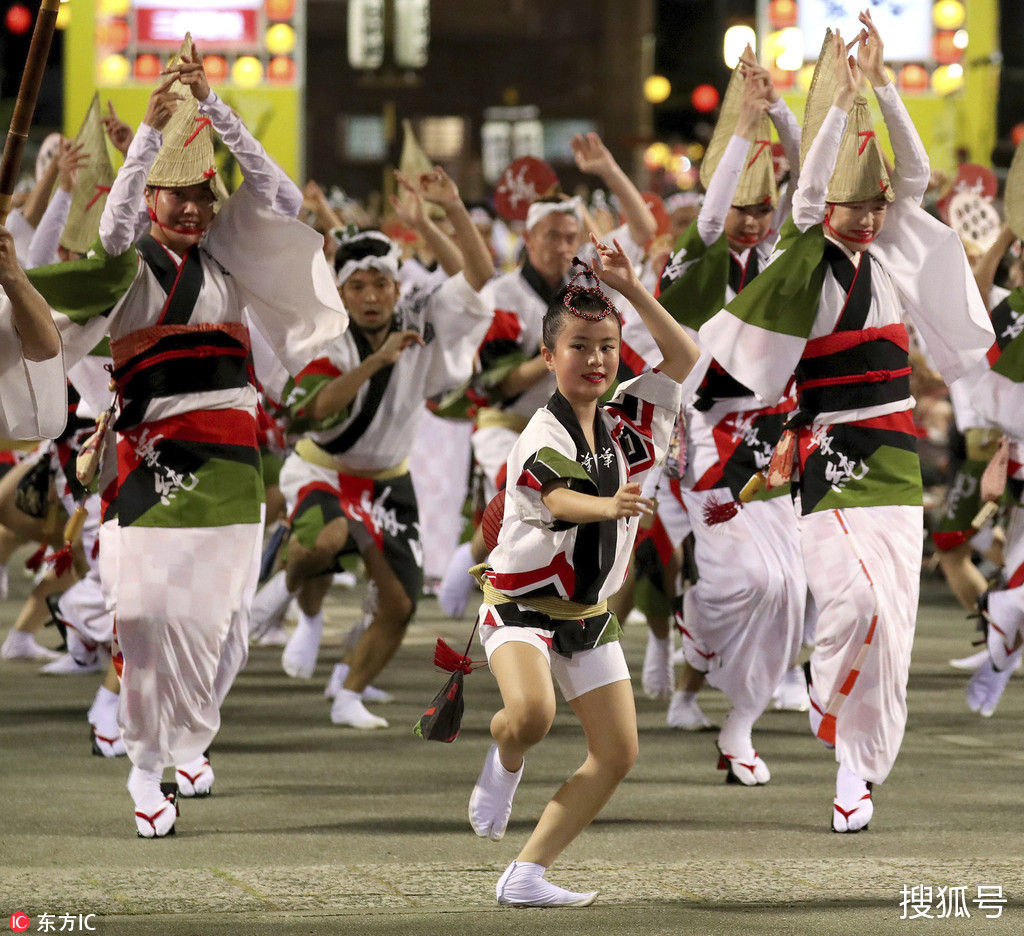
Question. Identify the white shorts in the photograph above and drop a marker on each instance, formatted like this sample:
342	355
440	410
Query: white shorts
585	671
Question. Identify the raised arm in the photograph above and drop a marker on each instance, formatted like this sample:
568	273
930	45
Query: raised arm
39	197
988	263
809	198
259	170
593	156
46	240
910	180
30	312
411	212
477	265
678	350
118	229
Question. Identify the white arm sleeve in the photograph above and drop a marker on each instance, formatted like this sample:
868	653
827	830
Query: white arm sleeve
43	249
809	197
718	200
119	224
913	172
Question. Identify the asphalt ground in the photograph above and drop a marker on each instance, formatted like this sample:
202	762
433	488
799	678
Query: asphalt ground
315	829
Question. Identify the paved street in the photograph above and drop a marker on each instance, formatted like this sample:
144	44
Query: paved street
313	829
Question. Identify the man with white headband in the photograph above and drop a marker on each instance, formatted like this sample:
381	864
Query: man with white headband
517	378
347	484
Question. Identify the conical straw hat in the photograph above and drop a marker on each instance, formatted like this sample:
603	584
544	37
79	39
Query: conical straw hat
186	157
1013	200
860	172
757	182
94	181
820	96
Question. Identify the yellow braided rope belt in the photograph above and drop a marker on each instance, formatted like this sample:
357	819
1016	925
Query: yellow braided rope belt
558	609
309	451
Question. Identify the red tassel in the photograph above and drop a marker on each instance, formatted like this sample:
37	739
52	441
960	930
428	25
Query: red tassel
62	560
96	548
447	659
716	511
35	562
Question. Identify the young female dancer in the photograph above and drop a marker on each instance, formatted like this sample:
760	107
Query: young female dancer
572	506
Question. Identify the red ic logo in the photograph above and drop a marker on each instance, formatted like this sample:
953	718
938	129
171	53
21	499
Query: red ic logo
19	922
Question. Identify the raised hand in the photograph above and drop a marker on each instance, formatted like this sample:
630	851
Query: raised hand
753	105
162	104
70	159
869	55
437	187
591	154
408	206
191	73
613	267
757	74
628	502
847	73
118	132
395	343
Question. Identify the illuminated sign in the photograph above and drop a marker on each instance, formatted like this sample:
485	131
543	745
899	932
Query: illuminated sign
905	25
244	42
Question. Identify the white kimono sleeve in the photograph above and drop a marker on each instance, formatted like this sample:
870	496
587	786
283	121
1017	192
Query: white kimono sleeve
33	394
459	319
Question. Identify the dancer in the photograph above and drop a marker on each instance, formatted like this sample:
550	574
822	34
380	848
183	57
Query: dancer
744	617
830	308
570	517
183	554
348	485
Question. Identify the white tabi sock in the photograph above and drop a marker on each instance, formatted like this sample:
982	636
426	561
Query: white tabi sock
523	885
457	584
303	647
270	604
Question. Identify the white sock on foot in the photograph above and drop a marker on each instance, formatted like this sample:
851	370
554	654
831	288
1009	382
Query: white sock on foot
685	712
348	709
303	647
852	807
20	645
269	605
490	804
154	812
657	672
194	778
457	584
523	885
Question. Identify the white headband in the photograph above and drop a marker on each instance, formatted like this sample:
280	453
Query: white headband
540	210
683	200
388	265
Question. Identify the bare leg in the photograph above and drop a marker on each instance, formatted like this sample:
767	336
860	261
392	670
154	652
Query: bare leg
964	579
528	701
608	717
384	636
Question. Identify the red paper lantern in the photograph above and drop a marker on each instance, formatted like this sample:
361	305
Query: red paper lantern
1017	134
281	68
216	68
147	68
705	98
18	20
782	13
913	78
944	49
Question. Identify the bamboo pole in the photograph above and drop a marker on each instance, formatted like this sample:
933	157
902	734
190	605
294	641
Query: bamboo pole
25	106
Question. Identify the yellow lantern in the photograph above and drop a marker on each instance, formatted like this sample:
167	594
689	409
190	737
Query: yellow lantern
948	14
280	39
247	72
657	155
657	88
115	7
114	70
947	78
